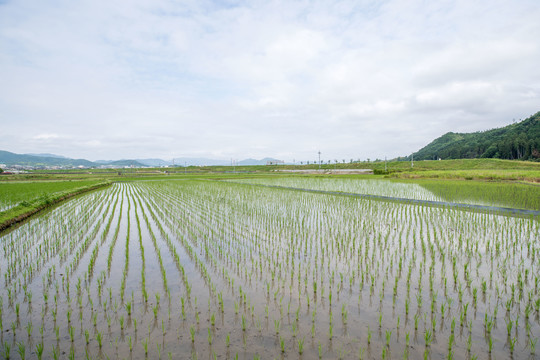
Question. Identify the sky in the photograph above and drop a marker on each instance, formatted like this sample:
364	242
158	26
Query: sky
230	79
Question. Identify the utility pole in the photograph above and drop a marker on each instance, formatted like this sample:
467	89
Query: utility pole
185	167
412	160
385	164
319	159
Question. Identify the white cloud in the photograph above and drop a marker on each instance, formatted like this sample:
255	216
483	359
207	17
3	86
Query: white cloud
252	79
45	137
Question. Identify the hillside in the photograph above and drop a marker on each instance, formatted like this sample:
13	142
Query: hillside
120	163
10	158
45	160
520	141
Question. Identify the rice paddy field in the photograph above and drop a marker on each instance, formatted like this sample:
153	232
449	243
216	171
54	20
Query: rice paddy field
513	195
13	193
199	269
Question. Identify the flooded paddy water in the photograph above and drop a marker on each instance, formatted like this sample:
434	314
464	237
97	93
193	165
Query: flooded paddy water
201	269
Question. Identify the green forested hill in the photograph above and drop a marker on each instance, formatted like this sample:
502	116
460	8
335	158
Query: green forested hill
520	141
10	158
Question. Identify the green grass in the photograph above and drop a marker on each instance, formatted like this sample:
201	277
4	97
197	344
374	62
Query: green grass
14	193
503	194
462	164
532	176
22	199
480	169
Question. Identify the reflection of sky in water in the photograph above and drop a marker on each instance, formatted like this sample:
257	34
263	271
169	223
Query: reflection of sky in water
378	187
274	232
6	205
358	186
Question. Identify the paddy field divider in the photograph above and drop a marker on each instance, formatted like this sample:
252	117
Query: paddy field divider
26	209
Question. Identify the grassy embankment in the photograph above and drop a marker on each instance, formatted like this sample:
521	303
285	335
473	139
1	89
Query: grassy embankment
21	200
472	169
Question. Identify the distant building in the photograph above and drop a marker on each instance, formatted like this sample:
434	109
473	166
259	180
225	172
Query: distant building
275	162
329	171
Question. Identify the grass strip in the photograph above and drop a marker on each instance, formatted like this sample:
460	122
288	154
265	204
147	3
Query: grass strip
25	209
441	204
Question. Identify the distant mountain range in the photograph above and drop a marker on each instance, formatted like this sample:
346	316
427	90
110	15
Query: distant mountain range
48	160
519	141
10	158
49	155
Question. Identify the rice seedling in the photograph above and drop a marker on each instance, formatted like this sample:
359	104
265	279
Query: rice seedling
21	350
300	346
55	352
532	345
39	350
512	344
99	338
255	254
145	346
7	350
29	328
72	333
128	308
192	333
428	337
277	325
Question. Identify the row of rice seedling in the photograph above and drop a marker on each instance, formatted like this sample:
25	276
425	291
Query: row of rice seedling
29	249
390	188
197	268
286	256
511	195
47	242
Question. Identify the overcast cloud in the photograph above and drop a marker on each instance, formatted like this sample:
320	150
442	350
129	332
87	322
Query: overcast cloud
238	79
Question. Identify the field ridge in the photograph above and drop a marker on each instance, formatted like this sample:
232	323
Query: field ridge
28	208
495	209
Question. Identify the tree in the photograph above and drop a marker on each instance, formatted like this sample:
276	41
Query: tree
515	141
